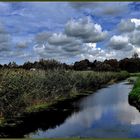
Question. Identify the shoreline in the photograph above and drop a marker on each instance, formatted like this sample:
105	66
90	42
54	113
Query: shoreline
133	97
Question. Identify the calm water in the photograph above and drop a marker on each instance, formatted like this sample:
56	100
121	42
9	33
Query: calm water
105	113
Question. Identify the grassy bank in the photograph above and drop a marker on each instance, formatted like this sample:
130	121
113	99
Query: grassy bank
134	96
27	91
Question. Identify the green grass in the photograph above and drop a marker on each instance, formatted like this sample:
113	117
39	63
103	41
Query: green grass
135	93
27	91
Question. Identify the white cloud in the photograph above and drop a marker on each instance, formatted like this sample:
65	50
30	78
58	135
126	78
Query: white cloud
78	39
92	52
85	30
60	39
126	26
67	35
135	38
128	41
120	43
136	21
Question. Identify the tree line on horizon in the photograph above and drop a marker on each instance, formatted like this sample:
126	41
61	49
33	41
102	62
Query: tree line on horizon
128	64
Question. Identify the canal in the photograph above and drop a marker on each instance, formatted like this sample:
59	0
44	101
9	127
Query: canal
103	114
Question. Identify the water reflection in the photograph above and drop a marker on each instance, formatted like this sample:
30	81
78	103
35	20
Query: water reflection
103	114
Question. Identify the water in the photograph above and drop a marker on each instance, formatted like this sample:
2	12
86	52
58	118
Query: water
103	114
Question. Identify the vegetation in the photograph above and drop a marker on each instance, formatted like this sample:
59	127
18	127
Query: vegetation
127	64
35	86
134	96
24	90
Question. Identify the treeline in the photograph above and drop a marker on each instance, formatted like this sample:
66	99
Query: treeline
127	64
41	64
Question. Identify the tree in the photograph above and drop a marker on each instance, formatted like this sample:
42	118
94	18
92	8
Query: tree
103	67
113	63
27	65
130	64
12	65
82	65
135	55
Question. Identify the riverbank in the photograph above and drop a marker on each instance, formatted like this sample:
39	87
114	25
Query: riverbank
25	92
134	96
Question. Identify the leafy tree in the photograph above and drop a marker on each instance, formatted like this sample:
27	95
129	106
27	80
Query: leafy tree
82	65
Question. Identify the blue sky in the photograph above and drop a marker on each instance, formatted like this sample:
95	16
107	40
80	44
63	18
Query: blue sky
68	31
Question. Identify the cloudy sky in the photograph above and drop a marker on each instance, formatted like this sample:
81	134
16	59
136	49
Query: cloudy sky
68	31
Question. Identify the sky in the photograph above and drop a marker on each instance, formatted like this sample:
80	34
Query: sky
68	31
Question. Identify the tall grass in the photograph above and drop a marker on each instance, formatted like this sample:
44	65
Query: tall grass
21	89
134	96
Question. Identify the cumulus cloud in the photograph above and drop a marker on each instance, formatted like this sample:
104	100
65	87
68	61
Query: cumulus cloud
57	52
129	35
128	41
72	42
117	42
58	44
82	51
60	39
56	39
135	38
120	43
92	52
136	21
44	30
85	30
126	26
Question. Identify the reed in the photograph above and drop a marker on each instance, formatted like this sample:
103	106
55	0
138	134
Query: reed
23	89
